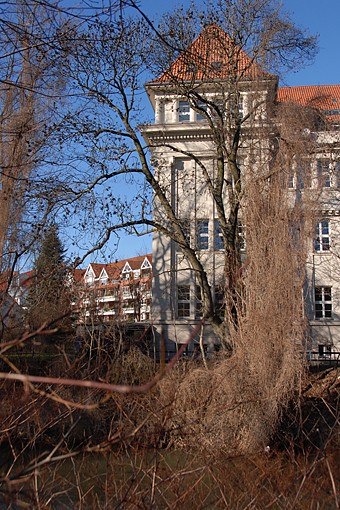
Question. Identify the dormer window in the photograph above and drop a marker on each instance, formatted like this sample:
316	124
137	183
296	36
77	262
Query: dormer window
217	65
192	68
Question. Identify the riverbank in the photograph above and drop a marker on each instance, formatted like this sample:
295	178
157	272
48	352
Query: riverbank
91	449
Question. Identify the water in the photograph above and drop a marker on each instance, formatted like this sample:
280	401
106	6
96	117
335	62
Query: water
158	479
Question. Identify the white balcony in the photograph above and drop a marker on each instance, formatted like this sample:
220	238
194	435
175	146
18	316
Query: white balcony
128	311
105	299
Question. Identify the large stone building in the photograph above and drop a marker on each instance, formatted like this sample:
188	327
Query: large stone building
183	149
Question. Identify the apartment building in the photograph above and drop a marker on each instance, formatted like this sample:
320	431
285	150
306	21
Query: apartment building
183	148
118	291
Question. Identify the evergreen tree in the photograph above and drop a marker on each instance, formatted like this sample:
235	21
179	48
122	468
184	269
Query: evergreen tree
49	297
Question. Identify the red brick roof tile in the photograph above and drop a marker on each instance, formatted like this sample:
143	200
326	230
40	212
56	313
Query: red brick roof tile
211	56
325	98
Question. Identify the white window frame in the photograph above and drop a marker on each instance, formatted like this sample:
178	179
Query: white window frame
300	176
202	234
322	241
241	236
323	302
200	117
184	110
241	105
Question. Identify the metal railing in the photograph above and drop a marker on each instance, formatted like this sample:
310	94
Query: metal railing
323	358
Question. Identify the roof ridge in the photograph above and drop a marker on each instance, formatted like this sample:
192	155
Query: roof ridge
211	57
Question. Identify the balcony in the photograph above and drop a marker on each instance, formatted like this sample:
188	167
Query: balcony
105	299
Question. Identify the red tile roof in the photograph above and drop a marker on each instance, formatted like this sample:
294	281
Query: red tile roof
78	275
114	269
325	98
211	56
97	268
136	262
15	278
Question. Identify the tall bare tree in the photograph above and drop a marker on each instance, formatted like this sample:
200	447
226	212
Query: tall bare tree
30	88
109	66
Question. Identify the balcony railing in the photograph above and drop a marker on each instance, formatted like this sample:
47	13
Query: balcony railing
111	297
325	358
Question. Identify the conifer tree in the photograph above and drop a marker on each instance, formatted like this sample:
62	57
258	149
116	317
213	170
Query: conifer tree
49	301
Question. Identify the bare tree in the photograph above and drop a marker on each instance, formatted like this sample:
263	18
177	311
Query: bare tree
33	92
241	46
29	80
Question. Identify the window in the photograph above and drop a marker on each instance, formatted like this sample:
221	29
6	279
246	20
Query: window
202	234
126	291
324	175
217	65
237	107
200	117
241	236
322	239
218	238
291	181
179	164
183	111
218	111
183	301
198	303
241	106
192	67
331	112
323	302
185	226
337	174
324	350
219	299
301	178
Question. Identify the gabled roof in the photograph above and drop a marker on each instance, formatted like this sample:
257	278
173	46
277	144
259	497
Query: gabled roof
325	98
103	273
136	262
211	56
78	274
127	268
114	269
146	263
27	278
94	268
97	268
16	279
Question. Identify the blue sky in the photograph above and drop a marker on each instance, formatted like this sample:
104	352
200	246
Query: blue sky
317	17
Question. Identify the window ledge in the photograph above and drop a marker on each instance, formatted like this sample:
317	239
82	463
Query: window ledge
324	322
